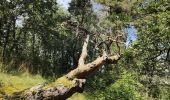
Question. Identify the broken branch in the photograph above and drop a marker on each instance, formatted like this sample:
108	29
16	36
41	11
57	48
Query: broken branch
84	51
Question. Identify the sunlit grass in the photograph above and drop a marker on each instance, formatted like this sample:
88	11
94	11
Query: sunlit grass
78	96
15	83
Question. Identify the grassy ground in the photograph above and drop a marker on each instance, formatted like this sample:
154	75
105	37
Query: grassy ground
15	83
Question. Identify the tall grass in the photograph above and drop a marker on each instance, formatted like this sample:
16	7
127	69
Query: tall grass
14	83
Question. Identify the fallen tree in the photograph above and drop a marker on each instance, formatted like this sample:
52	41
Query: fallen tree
70	83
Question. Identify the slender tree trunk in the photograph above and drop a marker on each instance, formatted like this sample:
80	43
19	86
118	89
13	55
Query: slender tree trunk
6	38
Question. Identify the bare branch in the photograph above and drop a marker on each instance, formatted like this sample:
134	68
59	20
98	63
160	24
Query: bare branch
168	53
113	59
81	72
84	51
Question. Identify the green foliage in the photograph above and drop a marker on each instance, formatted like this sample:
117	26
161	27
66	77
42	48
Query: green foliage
148	55
128	55
127	87
152	45
164	92
32	36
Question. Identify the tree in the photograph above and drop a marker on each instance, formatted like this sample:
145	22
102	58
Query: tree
31	35
70	83
140	71
152	47
147	55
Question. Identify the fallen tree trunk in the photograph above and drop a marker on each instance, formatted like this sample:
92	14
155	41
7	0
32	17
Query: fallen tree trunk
53	91
67	85
63	87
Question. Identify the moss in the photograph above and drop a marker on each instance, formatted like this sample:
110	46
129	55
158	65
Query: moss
10	89
61	81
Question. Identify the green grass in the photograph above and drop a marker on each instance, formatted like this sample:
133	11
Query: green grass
78	96
15	83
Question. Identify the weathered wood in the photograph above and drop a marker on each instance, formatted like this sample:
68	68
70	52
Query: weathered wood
84	51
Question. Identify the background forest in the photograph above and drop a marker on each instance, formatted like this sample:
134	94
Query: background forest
41	41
